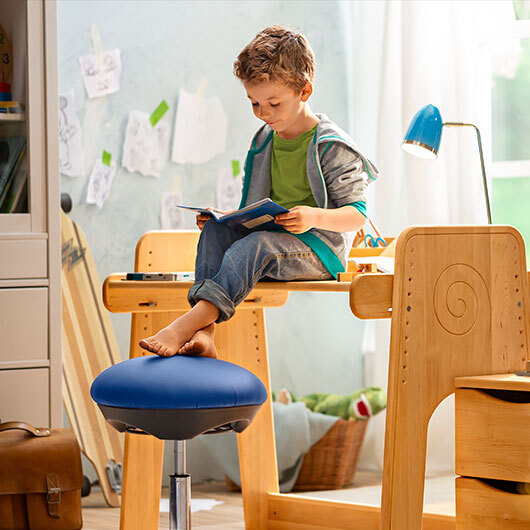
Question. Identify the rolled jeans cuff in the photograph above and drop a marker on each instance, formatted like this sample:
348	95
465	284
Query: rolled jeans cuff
212	292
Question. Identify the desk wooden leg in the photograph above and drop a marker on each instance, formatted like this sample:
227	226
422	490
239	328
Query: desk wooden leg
242	340
407	421
143	455
142	477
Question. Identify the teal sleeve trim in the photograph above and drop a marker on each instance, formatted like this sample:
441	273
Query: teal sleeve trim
326	148
360	205
248	168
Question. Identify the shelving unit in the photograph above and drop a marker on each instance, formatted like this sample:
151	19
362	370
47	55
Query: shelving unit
30	245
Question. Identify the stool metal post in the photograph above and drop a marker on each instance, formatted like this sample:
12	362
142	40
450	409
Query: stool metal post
180	490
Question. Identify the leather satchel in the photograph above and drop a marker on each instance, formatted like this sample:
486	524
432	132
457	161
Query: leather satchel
40	478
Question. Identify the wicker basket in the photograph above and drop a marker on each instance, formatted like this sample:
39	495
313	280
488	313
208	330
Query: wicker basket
330	463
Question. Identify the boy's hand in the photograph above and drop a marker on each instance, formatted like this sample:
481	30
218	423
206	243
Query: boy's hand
201	219
298	219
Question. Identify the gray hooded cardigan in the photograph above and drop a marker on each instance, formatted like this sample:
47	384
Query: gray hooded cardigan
338	174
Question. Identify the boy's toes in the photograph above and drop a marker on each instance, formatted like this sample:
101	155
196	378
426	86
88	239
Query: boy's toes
144	344
184	348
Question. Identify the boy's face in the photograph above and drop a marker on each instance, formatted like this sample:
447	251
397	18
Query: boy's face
277	104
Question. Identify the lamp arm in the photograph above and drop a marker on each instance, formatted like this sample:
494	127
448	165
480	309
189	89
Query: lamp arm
483	167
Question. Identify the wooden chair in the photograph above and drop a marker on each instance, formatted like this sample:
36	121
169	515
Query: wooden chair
459	306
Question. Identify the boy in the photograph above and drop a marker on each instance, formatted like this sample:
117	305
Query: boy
299	159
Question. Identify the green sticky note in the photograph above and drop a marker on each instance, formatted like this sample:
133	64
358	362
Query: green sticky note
158	113
106	158
235	168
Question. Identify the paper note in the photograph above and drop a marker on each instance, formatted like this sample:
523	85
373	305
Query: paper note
101	73
171	217
100	182
228	190
196	505
146	147
200	129
71	156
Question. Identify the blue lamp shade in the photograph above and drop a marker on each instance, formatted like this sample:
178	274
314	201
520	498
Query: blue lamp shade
424	133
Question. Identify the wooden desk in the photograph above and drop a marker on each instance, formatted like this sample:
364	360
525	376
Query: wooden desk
459	307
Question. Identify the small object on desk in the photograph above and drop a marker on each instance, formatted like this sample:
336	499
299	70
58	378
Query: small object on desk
161	276
525	373
366	263
346	276
374	242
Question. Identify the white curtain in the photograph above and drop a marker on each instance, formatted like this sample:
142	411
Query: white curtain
410	54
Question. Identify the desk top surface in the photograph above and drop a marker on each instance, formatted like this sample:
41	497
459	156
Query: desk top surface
117	281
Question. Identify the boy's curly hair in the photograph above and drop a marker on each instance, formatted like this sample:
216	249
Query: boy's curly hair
277	54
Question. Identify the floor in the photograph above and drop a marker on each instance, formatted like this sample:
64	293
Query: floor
439	498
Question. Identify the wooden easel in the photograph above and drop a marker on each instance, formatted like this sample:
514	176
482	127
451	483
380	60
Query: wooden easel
460	306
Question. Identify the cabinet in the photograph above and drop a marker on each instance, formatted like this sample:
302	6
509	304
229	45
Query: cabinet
492	430
30	244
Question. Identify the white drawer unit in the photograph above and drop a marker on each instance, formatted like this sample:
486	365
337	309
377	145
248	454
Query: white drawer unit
24	396
23	258
23	325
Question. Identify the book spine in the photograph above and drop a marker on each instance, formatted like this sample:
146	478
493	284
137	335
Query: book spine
11	176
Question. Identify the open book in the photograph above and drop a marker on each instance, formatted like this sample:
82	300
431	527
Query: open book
256	216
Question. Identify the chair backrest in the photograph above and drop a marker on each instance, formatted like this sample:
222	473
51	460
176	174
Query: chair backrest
460	306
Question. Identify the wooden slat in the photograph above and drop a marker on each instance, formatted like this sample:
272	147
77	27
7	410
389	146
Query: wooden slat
290	512
125	296
242	340
371	295
499	381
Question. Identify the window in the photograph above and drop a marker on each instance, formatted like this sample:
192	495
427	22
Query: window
510	124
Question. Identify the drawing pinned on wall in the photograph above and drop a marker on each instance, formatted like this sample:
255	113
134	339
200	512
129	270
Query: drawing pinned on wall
200	129
146	147
100	180
228	189
101	72
171	218
71	156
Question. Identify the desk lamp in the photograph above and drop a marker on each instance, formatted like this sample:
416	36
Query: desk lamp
424	134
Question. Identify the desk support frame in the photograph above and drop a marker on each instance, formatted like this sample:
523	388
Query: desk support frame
486	266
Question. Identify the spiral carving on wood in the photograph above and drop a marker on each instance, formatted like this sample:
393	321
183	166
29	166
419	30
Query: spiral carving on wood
460	296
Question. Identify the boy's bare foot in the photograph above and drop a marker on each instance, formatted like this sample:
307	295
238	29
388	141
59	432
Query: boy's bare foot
201	344
169	340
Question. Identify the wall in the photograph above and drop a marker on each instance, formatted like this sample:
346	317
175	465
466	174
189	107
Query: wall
171	45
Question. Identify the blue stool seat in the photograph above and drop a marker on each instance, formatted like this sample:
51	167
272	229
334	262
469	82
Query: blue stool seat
179	397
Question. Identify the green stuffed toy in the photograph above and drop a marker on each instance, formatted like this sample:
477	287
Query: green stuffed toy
360	405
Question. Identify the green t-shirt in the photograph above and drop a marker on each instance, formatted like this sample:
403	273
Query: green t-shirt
289	184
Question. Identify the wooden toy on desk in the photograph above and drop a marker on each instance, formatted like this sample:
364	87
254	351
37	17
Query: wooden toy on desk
349	275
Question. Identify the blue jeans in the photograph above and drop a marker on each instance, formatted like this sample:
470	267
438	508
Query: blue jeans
230	263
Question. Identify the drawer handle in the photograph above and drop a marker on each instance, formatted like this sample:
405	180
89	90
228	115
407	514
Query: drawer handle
512	396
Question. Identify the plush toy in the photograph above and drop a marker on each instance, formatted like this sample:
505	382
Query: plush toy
360	405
